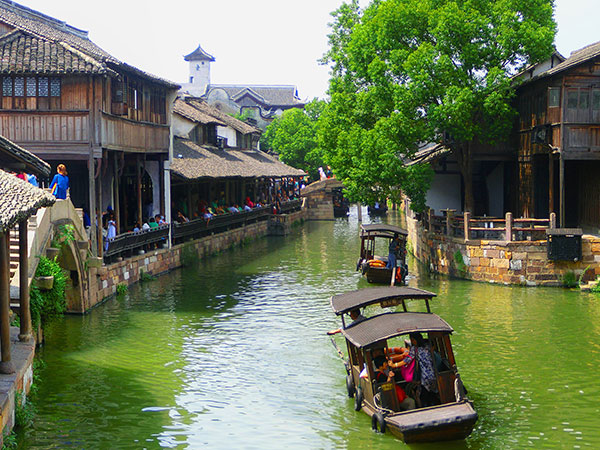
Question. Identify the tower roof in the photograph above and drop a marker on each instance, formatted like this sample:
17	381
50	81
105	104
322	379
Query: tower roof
199	55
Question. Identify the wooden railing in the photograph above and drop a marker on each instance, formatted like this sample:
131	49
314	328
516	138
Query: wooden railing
25	126
488	228
128	244
119	133
200	227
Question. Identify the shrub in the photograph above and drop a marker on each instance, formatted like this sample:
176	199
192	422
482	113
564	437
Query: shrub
48	304
122	289
24	410
145	276
63	235
570	280
460	262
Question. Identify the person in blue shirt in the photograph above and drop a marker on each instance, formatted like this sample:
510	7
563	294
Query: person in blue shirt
60	182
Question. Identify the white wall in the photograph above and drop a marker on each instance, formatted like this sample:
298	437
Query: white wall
152	169
444	193
180	126
495	188
229	134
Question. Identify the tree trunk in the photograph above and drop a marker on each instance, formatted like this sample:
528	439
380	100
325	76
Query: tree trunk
462	152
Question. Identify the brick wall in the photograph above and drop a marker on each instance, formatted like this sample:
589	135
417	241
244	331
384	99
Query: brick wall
523	263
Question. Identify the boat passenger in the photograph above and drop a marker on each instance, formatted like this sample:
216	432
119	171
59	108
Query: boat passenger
356	317
420	349
384	375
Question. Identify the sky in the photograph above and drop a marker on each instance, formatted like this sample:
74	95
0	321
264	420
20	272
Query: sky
253	42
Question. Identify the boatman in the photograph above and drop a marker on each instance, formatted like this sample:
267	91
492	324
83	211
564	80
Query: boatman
393	250
356	317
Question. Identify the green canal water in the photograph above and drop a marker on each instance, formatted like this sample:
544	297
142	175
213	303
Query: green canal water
232	353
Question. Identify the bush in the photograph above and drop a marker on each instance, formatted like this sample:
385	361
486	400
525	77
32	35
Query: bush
63	235
122	289
48	304
24	411
570	280
145	276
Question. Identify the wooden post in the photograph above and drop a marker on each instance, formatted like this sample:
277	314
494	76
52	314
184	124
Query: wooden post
92	204
161	177
508	225
6	365
562	190
550	182
467	225
449	216
138	172
430	214
359	210
99	211
117	203
552	220
25	316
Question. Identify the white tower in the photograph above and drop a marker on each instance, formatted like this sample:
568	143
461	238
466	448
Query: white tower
199	71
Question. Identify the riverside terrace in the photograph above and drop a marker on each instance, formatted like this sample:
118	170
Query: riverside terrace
133	243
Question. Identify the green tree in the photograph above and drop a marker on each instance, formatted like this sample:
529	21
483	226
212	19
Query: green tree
411	71
293	137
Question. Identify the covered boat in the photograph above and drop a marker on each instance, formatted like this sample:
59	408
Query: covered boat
451	416
374	266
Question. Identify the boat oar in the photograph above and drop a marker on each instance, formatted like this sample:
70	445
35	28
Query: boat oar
339	352
393	280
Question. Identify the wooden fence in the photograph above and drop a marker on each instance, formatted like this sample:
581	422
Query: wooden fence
488	228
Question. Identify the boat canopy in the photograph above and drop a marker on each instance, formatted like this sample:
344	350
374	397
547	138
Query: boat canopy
387	296
382	230
389	325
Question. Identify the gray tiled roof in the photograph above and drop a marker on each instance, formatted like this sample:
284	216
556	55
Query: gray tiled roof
194	114
273	96
19	200
63	46
230	121
11	152
575	58
191	161
199	55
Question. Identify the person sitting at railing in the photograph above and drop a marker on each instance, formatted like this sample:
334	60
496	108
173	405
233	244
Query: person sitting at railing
145	225
152	223
136	227
160	220
384	375
232	209
249	203
181	218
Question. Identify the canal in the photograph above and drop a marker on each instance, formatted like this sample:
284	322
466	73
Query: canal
232	353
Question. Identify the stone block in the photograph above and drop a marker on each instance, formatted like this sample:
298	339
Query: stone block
519	255
500	263
484	262
491	253
474	262
516	264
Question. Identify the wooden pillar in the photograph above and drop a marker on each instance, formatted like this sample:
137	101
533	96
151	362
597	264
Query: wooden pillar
25	316
117	202
99	211
189	198
508	218
430	219
550	183
449	216
359	209
161	177
138	173
6	365
552	220
467	225
92	200
561	183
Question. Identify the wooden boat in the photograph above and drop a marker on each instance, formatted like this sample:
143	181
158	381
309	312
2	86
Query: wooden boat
453	417
378	209
374	266
341	205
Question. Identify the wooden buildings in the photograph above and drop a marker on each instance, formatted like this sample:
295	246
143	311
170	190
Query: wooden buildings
70	102
216	158
558	139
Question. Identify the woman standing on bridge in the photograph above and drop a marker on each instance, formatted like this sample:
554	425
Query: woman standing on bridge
60	182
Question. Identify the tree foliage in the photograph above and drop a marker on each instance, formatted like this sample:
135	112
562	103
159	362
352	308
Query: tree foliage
293	137
405	72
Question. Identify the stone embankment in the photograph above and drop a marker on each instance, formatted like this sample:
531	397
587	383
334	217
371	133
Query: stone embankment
521	263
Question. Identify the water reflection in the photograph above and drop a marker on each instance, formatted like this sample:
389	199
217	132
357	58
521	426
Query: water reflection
233	352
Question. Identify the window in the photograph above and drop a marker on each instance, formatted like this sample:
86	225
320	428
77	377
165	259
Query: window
584	99
553	97
37	91
572	98
596	99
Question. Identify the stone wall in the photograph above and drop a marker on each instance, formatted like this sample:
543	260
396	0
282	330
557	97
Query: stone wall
523	263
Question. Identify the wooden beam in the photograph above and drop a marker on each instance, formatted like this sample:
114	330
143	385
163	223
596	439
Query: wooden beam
6	365
117	202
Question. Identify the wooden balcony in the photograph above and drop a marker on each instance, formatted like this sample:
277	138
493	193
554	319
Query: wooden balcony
118	133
